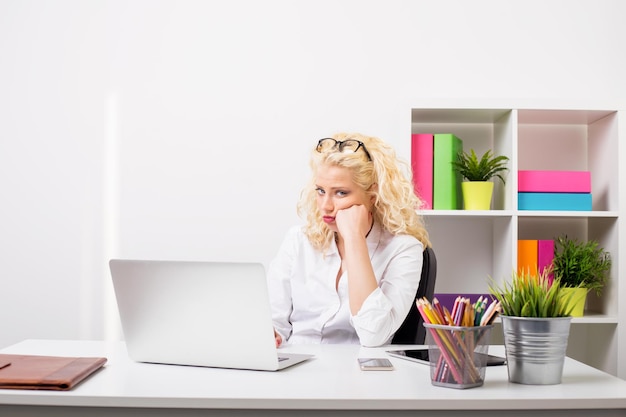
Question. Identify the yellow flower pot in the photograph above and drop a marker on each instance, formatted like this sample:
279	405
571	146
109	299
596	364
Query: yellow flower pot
477	195
577	297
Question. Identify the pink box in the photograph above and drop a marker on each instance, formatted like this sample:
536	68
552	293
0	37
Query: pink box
554	181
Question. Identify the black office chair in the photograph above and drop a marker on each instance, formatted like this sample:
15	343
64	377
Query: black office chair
412	331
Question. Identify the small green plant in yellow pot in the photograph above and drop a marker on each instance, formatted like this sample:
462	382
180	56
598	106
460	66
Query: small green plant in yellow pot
580	267
478	188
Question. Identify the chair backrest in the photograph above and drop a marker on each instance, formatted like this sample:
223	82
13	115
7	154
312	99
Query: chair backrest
412	331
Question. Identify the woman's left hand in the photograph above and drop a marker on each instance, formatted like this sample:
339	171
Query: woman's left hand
354	221
279	339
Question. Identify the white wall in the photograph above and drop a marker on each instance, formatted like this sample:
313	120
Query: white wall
181	129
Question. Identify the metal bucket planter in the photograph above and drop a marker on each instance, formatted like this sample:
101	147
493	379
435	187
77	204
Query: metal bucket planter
535	348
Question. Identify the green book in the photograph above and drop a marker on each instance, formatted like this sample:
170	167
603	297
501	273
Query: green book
446	181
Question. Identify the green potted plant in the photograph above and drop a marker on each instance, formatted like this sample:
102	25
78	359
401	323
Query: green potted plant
581	267
478	173
535	321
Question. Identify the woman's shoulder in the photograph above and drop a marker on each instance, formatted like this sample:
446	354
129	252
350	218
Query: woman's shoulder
401	240
295	234
295	241
295	231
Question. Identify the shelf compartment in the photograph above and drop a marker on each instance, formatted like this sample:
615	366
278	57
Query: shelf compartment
466	260
602	229
574	140
479	129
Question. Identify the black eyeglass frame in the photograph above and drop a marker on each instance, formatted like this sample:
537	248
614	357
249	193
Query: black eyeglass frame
340	145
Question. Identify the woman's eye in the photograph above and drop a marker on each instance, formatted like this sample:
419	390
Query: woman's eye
319	191
342	193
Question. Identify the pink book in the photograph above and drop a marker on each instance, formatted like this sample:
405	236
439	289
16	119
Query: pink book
554	181
545	256
422	165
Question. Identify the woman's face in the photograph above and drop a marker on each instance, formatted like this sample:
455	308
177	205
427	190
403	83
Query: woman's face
337	191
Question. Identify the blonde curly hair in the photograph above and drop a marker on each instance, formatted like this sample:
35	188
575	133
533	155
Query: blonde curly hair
395	202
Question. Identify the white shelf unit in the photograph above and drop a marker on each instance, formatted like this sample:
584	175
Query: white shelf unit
473	247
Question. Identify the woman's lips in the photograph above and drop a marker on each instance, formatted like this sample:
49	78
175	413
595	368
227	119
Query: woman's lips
328	219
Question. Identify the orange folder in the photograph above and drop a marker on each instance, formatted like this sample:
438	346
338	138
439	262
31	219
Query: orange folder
527	257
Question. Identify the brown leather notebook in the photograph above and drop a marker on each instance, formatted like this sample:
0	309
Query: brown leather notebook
45	372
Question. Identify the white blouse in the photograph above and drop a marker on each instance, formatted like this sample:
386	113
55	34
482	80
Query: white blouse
307	308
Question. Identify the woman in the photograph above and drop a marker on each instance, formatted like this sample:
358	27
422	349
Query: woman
350	274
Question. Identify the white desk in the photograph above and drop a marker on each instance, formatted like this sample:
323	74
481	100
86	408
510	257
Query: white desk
329	384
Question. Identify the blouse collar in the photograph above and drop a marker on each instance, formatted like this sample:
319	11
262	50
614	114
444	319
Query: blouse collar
372	240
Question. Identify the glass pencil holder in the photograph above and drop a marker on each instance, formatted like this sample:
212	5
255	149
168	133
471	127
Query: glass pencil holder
457	355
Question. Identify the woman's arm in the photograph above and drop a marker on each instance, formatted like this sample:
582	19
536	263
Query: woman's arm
399	265
354	224
279	287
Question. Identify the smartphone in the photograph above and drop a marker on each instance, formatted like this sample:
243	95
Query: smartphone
421	356
375	364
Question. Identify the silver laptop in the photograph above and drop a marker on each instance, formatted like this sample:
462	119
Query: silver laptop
213	314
